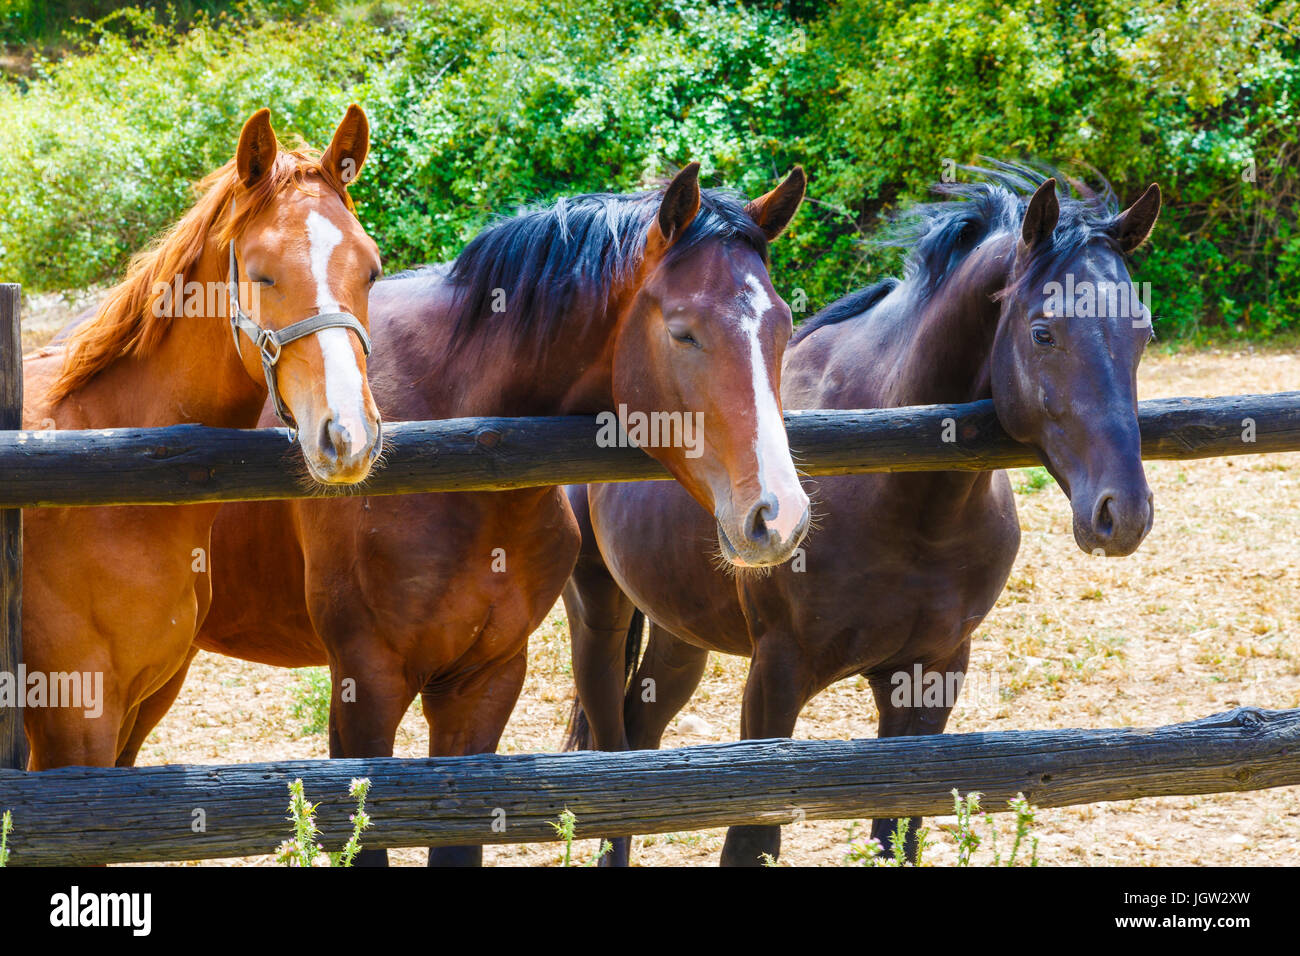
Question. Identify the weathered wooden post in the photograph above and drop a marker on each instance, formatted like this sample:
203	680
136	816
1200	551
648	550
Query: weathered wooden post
13	743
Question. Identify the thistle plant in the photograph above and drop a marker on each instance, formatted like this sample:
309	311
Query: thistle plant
966	809
6	828
304	849
968	841
1024	824
862	852
360	821
567	827
869	852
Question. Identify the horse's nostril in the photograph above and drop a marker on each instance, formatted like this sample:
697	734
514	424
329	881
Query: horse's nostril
1104	522
756	526
334	440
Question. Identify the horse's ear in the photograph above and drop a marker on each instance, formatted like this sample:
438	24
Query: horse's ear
1041	215
257	150
347	150
1136	222
680	204
774	211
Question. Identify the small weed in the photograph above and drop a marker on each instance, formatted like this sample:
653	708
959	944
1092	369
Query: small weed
311	699
303	849
869	852
1032	480
566	828
968	841
6	828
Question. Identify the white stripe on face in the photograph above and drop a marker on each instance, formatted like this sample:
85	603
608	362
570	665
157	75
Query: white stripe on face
344	389
775	469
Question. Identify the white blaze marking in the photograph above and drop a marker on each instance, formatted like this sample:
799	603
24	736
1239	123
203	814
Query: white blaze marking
344	389
775	469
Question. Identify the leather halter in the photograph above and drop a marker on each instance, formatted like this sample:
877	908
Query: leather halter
270	342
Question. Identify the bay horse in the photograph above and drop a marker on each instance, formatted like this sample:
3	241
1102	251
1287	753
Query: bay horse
116	594
904	566
654	303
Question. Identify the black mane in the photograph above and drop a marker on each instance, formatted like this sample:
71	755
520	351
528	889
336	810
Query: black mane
853	304
558	262
939	235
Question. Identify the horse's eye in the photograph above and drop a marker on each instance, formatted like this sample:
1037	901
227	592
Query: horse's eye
680	330
1043	337
374	276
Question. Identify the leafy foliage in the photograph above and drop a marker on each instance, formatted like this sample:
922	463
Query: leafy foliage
481	105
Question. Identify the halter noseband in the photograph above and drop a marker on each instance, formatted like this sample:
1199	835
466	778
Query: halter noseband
270	342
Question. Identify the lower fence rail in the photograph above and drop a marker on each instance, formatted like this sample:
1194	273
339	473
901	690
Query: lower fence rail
80	815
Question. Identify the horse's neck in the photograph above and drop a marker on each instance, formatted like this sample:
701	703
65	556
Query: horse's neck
946	360
192	377
570	374
902	356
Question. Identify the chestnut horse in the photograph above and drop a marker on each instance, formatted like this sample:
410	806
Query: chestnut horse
656	303
905	566
114	596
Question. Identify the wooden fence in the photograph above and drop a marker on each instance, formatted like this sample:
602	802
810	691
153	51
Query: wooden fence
103	815
97	815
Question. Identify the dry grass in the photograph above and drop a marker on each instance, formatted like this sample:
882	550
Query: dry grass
1205	617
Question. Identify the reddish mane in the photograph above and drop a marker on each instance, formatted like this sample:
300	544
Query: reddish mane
126	324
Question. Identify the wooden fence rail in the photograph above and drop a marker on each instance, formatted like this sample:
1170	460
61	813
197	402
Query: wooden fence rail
105	815
190	463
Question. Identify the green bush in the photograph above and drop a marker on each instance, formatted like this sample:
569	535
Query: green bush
1193	95
481	105
46	21
497	103
99	152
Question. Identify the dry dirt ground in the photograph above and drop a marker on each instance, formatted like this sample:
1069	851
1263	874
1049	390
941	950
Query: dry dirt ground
1204	618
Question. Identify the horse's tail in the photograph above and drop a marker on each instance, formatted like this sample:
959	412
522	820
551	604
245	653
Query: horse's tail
578	735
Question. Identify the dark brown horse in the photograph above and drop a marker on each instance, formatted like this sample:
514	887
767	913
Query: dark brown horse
658	303
905	566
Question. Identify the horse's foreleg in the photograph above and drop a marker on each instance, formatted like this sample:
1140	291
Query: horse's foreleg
469	718
600	616
68	737
151	711
660	687
905	715
778	686
369	698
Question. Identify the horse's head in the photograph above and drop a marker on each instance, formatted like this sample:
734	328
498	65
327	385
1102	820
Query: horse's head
300	253
703	339
1064	364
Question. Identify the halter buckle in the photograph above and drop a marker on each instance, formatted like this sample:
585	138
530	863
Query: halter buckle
268	343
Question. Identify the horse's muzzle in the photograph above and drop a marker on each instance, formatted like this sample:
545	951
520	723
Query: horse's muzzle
1114	522
760	542
335	456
